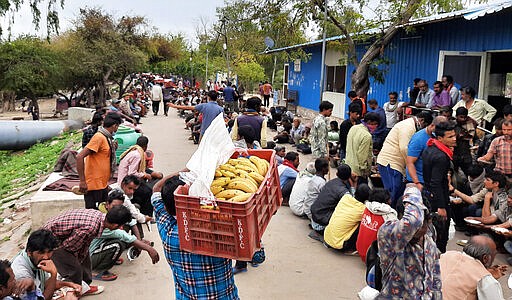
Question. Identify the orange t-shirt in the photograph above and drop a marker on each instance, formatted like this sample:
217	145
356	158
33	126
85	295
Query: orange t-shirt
97	164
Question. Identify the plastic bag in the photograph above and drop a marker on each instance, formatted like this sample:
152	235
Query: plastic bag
214	149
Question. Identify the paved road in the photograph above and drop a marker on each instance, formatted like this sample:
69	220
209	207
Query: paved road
296	267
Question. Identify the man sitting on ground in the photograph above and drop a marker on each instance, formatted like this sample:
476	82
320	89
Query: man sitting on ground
495	209
195	276
330	194
128	186
299	190
377	212
287	174
35	272
107	249
470	274
314	186
75	229
343	227
7	281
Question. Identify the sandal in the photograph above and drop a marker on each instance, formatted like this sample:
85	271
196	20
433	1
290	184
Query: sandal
105	276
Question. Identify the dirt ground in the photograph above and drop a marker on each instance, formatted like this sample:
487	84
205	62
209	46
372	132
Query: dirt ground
296	266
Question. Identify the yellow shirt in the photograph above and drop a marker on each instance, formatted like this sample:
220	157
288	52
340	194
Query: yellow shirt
344	221
394	150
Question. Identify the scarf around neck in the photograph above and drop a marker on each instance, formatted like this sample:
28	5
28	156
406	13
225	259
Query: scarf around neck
290	164
110	140
441	147
142	164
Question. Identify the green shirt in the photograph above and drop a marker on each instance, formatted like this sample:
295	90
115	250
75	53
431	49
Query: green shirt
359	150
108	234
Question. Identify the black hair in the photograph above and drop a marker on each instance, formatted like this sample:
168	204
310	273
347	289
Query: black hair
344	172
119	215
168	189
247	133
325	105
426	117
443	127
131	178
394	94
372	101
142	141
507	109
212	95
475	170
291	156
416	80
379	195
438	83
97	118
335	125
461	111
115	194
362	192
42	240
449	78
371	117
498	177
352	94
469	90
4	275
498	123
253	103
355	107
112	119
321	164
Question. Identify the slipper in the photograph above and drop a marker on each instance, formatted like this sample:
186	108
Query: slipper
94	290
239	270
119	261
76	190
462	243
254	265
105	276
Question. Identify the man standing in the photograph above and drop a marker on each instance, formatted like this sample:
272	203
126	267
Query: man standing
478	109
392	158
437	160
210	110
425	95
441	97
417	144
267	91
501	151
156	97
319	131
465	129
352	95
380	133
469	274
448	85
75	229
391	109
408	256
354	118
230	96
95	171
360	146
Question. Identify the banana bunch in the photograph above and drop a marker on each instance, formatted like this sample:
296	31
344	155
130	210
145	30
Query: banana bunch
239	178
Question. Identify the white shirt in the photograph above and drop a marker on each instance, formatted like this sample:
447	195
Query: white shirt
156	93
391	113
299	193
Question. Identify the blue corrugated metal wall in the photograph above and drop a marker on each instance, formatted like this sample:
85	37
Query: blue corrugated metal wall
416	54
307	81
413	54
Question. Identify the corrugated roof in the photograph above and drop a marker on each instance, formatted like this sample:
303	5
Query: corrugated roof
468	14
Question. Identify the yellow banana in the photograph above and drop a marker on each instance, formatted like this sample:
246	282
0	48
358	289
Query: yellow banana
258	163
228	173
267	165
227	194
246	168
216	189
241	198
248	177
218	173
221	181
233	161
259	179
246	162
227	167
242	184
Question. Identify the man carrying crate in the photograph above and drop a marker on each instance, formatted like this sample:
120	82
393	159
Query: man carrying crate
195	276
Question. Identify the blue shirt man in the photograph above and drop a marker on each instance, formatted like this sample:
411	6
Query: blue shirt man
210	111
229	93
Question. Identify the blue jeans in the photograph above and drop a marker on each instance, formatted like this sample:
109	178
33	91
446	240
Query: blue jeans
393	181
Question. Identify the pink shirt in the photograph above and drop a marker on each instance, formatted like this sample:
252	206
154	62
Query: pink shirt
129	165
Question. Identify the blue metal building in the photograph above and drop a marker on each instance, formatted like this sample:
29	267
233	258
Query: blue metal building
472	45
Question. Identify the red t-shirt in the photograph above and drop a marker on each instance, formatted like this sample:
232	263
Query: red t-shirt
370	224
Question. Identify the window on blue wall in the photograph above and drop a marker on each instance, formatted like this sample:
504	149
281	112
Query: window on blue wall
336	79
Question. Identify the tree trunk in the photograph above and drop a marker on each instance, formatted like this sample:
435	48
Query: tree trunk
7	101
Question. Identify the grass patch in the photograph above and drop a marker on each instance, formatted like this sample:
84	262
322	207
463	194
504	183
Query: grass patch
19	168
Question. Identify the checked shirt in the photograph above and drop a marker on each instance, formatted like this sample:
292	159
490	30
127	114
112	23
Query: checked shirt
195	276
75	229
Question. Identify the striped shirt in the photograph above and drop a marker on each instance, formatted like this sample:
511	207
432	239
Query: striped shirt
502	152
76	228
195	276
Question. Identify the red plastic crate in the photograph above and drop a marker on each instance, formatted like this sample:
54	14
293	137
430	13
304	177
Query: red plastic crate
235	229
